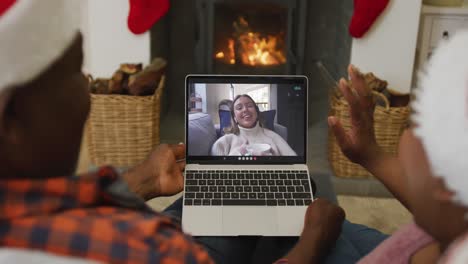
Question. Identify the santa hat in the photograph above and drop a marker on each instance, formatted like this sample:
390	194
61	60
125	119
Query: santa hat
441	114
34	34
457	252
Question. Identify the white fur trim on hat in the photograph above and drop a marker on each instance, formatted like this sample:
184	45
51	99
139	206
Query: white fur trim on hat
35	33
457	252
441	113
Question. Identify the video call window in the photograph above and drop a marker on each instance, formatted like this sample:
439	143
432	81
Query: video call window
241	119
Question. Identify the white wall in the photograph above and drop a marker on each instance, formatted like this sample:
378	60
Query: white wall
200	89
215	94
388	49
107	40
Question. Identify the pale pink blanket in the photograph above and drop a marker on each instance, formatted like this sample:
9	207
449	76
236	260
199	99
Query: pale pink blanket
399	247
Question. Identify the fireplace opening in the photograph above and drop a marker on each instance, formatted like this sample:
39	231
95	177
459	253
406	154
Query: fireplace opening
250	37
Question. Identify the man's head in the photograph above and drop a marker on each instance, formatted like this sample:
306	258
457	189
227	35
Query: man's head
43	96
434	153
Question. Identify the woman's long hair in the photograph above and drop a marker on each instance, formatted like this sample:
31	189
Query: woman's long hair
234	128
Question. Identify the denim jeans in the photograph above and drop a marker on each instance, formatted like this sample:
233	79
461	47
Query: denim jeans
355	242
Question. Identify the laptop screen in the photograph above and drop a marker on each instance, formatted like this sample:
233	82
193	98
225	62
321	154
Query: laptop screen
246	119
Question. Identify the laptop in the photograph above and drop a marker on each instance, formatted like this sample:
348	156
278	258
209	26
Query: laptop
246	140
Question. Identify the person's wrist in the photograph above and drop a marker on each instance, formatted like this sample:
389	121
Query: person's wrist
305	251
372	156
140	183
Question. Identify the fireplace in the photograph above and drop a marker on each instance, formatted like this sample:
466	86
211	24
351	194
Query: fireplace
194	32
250	37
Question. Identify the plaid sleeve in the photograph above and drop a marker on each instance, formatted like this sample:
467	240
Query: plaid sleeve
75	216
179	248
107	235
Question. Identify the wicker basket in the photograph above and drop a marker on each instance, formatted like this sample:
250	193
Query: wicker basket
389	123
123	129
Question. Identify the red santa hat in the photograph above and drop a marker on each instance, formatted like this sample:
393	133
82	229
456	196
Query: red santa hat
34	33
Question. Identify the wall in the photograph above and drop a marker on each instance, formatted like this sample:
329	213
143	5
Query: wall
108	42
388	49
216	93
329	42
200	90
173	38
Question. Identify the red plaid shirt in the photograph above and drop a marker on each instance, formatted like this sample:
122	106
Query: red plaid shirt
78	216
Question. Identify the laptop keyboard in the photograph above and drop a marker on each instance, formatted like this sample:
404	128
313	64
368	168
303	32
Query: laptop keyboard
241	187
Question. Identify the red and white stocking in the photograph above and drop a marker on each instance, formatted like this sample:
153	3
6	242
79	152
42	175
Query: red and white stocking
365	14
144	13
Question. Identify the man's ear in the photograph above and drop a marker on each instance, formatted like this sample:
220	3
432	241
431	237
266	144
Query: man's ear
5	114
441	192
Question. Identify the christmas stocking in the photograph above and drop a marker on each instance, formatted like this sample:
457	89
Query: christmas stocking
5	5
365	14
144	13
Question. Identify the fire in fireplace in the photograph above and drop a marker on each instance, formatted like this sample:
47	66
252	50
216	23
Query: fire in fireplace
250	46
250	36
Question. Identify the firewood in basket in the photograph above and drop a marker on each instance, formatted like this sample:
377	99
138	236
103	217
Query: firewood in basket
116	82
131	68
374	82
99	86
146	81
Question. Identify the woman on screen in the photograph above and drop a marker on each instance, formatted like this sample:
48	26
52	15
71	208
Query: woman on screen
247	136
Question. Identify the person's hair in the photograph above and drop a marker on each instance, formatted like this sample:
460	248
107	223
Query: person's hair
225	102
234	128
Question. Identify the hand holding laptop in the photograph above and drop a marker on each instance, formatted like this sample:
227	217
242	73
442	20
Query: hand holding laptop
161	174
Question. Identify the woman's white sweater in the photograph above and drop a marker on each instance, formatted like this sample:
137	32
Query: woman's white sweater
235	145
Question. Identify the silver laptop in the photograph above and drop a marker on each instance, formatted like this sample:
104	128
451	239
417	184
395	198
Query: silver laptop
246	139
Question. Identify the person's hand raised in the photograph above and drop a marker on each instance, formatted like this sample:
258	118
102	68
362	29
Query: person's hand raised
160	174
359	144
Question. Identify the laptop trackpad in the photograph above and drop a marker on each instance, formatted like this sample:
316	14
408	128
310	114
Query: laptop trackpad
249	220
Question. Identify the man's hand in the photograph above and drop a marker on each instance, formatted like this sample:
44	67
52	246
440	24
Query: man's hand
160	174
322	226
323	220
359	144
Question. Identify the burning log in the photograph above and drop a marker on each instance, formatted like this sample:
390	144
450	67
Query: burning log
251	48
